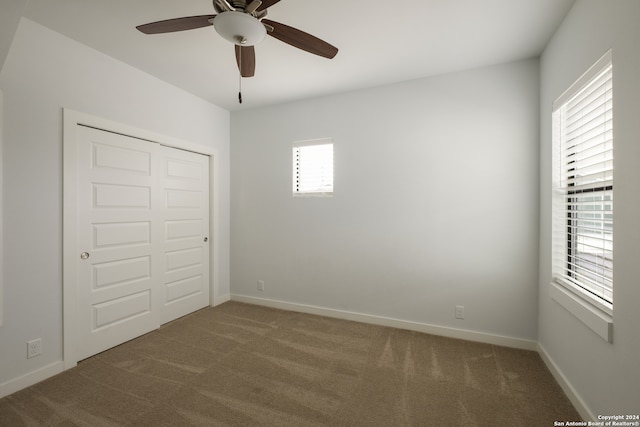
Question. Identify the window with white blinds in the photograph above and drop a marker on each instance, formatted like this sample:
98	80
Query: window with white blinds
583	118
313	167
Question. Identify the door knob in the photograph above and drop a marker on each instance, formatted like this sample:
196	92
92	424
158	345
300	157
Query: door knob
206	239
84	255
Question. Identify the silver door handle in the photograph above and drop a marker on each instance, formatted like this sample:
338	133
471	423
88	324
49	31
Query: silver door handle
84	255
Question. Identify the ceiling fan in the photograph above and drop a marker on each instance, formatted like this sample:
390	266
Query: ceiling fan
243	23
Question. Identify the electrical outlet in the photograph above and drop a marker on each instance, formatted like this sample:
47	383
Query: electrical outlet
261	285
459	312
34	348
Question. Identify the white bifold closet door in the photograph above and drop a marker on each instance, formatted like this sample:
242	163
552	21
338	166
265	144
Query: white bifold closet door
143	224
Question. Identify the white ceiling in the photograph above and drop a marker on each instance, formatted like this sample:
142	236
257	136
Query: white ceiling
380	42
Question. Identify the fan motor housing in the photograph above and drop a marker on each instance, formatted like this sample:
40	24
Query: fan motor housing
239	28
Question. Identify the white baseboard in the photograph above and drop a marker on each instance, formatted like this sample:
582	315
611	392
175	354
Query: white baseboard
395	323
30	379
572	394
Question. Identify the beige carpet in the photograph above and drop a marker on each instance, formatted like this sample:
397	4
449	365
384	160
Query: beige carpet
246	365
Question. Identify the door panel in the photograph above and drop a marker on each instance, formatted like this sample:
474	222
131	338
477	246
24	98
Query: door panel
185	183
184	229
122	309
110	157
179	288
179	260
121	272
118	221
121	234
121	196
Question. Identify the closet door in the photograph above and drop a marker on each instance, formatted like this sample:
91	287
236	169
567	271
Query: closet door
185	194
119	231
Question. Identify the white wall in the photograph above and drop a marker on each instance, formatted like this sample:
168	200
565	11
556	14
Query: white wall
9	20
43	73
435	205
604	377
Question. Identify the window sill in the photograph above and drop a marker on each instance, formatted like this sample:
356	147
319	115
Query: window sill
592	316
302	195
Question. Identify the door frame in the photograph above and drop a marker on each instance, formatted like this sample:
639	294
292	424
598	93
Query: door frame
71	120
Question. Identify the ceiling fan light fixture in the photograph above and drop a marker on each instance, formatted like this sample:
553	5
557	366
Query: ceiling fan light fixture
239	28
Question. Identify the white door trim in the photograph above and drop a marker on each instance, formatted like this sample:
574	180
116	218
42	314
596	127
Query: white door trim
1	206
70	249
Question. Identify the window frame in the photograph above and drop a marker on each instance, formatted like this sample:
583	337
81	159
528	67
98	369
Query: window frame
563	225
318	192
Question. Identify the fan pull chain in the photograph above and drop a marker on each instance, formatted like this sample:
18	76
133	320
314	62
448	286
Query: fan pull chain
240	78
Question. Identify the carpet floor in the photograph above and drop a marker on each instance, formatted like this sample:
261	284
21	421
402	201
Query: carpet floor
246	365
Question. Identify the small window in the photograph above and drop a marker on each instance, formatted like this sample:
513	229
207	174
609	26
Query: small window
583	209
313	168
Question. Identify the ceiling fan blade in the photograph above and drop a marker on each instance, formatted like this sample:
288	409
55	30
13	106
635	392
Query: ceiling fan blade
300	39
176	24
246	59
267	3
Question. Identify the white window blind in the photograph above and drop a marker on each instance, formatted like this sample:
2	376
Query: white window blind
313	167
584	120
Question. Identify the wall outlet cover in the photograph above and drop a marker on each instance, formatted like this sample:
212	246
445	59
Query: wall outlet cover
34	348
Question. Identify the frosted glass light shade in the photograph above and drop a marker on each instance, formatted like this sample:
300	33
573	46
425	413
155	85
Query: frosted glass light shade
239	28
